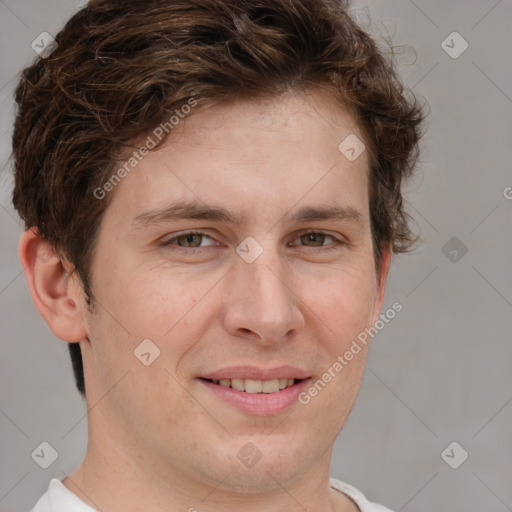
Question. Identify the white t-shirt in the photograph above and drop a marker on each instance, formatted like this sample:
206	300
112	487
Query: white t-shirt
59	498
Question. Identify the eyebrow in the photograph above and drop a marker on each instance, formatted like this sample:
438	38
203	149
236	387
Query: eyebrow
199	211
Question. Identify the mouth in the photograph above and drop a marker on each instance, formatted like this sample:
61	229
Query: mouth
256	391
255	386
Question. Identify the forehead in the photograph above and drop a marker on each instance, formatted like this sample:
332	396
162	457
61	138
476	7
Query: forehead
253	155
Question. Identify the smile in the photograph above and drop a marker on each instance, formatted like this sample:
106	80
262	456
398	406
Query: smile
257	391
256	386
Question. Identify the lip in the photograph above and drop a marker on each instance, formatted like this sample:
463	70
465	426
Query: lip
258	404
253	372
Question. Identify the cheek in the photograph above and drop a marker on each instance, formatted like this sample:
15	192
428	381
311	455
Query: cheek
129	311
343	304
150	307
153	302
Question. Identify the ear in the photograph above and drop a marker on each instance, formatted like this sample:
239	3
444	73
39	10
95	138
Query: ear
57	293
382	278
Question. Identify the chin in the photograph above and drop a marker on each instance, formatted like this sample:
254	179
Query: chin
262	464
262	478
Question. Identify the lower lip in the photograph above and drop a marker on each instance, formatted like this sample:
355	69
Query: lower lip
260	404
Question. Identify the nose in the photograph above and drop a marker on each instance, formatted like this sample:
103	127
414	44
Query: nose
261	302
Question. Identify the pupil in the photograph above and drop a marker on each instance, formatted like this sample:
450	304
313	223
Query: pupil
315	238
189	240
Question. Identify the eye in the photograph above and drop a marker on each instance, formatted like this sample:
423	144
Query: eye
315	239
188	239
197	239
319	239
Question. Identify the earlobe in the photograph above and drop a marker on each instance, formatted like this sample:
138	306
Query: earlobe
56	292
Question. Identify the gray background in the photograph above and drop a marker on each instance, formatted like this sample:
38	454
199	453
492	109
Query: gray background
438	373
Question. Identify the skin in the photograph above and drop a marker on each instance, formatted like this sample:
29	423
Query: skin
157	435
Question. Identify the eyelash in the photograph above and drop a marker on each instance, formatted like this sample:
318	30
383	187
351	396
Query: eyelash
191	250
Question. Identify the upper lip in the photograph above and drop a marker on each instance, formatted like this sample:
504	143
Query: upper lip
255	373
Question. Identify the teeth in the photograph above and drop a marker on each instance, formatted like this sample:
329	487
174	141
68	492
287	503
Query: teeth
270	386
238	384
256	386
253	386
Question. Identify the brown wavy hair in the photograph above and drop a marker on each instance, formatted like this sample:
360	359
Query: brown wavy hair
121	66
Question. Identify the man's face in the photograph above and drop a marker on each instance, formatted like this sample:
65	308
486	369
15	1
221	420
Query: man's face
281	304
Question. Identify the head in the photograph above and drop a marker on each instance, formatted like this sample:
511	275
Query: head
237	112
